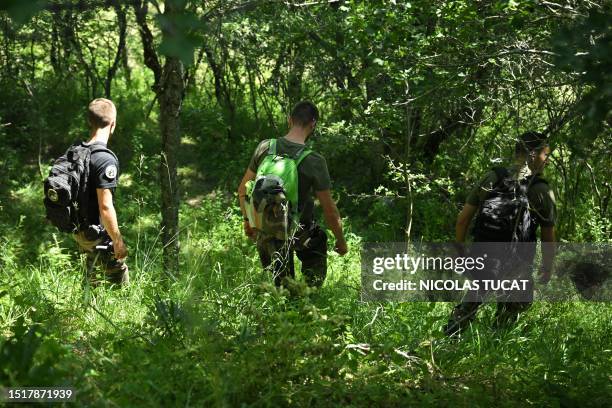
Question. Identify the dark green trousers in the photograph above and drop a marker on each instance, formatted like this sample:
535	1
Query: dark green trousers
310	248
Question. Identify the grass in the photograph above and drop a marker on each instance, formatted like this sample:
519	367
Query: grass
221	334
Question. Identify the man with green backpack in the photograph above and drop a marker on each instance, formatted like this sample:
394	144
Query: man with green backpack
277	201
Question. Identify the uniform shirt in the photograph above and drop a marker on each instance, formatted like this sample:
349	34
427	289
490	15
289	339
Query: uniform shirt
541	198
103	173
312	173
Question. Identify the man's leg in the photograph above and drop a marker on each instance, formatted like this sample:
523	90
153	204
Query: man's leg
87	245
96	243
465	312
277	256
314	257
461	317
117	272
507	313
515	302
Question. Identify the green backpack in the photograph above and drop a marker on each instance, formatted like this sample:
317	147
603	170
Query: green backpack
272	198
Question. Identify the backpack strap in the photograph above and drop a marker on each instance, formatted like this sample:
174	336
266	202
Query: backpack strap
536	179
501	173
302	155
272	147
99	148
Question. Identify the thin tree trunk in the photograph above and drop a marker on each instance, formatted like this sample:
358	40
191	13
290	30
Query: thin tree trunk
170	100
54	54
252	91
169	88
406	168
122	24
222	91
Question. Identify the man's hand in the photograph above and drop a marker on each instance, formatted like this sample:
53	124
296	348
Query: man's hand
333	220
120	250
341	248
248	231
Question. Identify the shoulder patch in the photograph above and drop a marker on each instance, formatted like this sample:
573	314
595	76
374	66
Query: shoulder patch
110	171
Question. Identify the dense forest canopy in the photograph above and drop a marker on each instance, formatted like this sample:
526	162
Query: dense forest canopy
418	99
412	92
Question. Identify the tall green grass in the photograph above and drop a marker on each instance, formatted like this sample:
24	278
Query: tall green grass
220	334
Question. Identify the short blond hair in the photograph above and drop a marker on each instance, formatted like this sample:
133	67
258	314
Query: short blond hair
101	112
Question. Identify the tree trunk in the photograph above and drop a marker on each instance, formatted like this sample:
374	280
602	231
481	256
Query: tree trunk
170	99
169	89
222	91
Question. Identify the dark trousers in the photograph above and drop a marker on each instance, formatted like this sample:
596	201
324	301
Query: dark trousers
502	263
310	246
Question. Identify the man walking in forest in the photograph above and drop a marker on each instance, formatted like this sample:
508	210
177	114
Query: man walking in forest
88	174
269	177
102	240
509	205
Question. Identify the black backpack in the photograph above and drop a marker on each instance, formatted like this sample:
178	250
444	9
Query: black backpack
66	188
504	215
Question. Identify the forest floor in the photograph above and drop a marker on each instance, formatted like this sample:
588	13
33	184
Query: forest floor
221	334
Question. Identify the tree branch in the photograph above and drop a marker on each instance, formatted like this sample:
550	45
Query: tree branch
150	56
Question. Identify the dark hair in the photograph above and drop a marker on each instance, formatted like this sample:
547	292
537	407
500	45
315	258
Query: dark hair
529	142
304	113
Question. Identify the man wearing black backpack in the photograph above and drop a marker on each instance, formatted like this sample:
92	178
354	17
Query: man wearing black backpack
79	195
309	241
509	205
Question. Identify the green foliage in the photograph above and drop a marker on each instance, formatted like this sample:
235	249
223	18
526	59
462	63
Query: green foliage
418	99
222	334
583	48
31	357
21	11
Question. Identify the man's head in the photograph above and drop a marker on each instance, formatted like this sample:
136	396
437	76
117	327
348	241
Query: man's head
101	113
304	115
532	147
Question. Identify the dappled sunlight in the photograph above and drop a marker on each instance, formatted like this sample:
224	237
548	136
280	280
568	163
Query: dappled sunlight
389	121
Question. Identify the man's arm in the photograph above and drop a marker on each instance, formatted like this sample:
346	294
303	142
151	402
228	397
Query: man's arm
248	175
548	252
108	216
332	219
463	222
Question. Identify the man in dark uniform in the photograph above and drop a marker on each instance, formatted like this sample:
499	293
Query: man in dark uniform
313	180
530	158
102	240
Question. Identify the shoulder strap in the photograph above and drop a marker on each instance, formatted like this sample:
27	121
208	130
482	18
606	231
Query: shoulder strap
98	148
501	173
302	155
536	179
272	148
